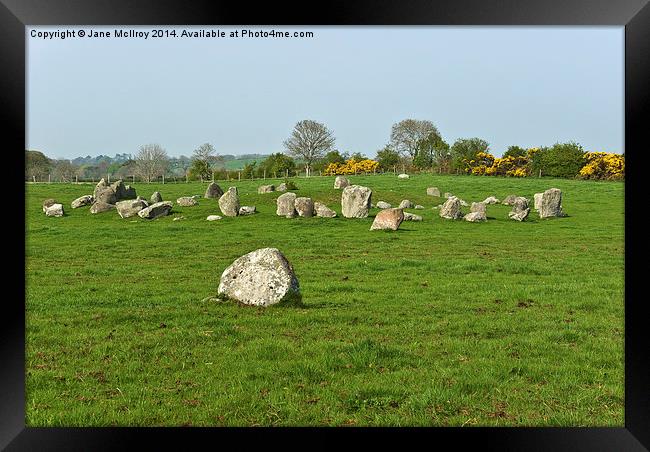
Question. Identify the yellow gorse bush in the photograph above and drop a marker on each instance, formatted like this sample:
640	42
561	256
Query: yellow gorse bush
603	165
486	164
351	166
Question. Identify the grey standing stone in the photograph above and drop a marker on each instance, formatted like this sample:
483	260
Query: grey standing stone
451	209
538	200
341	182
157	210
510	199
81	201
129	192
213	191
130	207
286	206
186	201
54	210
101	206
411	217
491	200
282	187
355	201
265	189
47	203
229	202
551	205
104	193
156	197
433	191
322	210
520	209
388	219
304	207
448	195
478	207
475	217
260	278
406	204
383	205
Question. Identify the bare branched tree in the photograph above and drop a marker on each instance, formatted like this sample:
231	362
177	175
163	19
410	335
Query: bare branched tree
205	160
407	134
64	170
310	140
151	162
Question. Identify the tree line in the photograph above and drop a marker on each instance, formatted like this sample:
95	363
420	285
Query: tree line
414	145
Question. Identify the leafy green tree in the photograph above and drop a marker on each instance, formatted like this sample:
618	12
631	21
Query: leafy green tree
277	165
407	134
331	157
560	160
432	151
37	165
466	149
514	151
388	158
358	156
200	170
248	172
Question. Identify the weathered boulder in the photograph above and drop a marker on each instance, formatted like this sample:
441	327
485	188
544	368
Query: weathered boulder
463	202
129	192
130	207
478	207
510	199
101	206
475	217
448	195
551	205
81	201
47	203
520	209
229	202
355	201
156	197
383	205
265	189
213	191
119	189
491	200
403	176
304	206
433	191
54	210
286	205
451	209
321	210
281	187
157	210
538	200
213	217
104	193
247	210
406	204
341	182
388	219
411	217
186	201
260	278
418	207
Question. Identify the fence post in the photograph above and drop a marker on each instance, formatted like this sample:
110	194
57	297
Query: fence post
264	173
540	172
163	179
239	176
287	170
76	179
48	178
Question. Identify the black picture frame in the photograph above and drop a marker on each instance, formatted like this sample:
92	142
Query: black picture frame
634	15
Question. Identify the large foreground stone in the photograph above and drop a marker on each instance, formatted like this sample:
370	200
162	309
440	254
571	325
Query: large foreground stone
451	209
229	202
341	182
101	206
260	278
355	201
304	207
321	210
104	193
186	201
54	210
81	201
388	219
213	191
160	209
551	205
286	205
130	207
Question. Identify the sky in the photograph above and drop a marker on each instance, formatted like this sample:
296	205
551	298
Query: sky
525	86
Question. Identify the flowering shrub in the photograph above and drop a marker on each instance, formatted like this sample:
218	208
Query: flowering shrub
351	166
486	164
603	165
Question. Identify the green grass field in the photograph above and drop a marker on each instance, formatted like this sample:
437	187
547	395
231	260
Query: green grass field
441	323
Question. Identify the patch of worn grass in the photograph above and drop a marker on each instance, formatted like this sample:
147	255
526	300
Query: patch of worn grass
440	323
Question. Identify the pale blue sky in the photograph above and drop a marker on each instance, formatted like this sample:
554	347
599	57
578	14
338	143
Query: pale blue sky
528	86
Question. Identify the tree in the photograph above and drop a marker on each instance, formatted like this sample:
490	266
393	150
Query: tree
358	156
37	165
331	157
205	161
405	135
467	149
560	160
432	151
278	163
150	162
515	151
309	140
63	170
388	158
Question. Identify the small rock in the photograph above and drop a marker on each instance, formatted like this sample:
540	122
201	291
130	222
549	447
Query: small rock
419	207
433	191
229	202
178	218
84	200
213	191
130	207
411	217
265	189
213	217
54	210
156	197
186	201
520	209
478	207
383	205
475	217
322	210
304	206
403	176
341	182
491	200
47	203
247	210
510	199
451	209
405	204
282	187
448	195
538	200
157	210
101	206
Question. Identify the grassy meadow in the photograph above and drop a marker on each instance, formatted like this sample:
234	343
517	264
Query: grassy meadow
441	323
